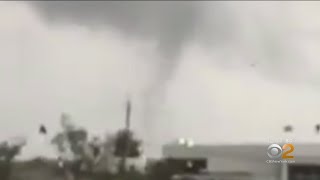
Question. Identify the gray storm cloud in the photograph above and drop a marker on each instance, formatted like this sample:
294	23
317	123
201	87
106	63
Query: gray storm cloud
81	59
170	24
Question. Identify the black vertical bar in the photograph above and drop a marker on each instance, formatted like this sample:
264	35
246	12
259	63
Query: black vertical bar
128	113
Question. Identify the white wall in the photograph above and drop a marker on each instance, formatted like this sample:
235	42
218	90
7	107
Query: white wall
255	167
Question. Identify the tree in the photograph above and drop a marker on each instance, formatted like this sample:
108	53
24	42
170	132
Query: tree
8	151
124	141
74	147
126	146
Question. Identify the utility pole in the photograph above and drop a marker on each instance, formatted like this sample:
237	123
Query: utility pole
128	113
122	168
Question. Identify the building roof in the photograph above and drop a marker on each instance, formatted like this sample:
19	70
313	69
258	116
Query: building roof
248	151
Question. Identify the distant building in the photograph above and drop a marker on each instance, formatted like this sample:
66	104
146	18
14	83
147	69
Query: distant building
225	161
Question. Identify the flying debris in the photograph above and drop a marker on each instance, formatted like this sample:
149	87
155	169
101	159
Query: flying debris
42	129
288	128
317	128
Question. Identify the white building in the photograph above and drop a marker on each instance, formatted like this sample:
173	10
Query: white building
251	159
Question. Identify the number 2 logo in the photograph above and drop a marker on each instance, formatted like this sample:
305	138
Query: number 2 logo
287	150
276	151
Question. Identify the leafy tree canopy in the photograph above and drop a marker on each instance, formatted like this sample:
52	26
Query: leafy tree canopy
126	144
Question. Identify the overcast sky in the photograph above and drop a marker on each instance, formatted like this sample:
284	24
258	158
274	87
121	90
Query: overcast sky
218	72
